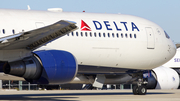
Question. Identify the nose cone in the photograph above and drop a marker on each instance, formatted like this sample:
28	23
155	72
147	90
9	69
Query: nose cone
171	49
174	48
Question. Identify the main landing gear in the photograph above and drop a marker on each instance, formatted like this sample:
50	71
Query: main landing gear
140	87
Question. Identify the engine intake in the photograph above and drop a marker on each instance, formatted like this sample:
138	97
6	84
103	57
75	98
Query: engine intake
163	78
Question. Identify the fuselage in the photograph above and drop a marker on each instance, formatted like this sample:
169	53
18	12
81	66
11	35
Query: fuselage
102	40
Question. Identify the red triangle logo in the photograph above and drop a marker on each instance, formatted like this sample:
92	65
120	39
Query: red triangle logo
84	26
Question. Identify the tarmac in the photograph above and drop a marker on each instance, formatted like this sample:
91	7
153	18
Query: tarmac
90	95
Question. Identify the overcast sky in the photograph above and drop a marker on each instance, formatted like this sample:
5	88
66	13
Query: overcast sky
165	13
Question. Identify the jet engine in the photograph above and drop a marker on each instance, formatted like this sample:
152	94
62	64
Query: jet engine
45	67
163	78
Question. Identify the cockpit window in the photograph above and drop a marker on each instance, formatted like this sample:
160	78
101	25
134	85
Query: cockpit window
167	36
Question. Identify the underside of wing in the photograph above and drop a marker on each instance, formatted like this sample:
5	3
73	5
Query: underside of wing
4	76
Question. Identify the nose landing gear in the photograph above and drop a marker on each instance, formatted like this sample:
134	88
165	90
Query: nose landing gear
140	87
139	90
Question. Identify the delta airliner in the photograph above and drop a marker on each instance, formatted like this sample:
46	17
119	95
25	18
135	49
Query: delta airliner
54	47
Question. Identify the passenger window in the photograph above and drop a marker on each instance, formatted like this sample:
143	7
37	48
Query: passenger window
3	31
76	33
130	36
86	34
99	34
90	34
72	34
104	35
113	35
108	35
117	35
126	35
13	31
81	33
95	34
121	35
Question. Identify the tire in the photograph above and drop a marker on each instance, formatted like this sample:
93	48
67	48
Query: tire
142	90
135	90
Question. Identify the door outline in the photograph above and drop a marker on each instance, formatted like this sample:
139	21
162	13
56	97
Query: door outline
150	38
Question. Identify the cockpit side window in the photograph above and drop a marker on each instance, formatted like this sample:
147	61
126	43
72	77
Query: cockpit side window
167	36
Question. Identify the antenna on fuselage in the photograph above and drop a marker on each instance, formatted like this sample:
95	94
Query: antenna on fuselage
28	7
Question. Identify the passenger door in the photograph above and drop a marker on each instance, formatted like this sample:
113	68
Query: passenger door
150	38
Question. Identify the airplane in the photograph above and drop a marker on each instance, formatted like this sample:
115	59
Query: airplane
56	47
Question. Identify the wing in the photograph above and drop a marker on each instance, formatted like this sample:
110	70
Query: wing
34	39
4	76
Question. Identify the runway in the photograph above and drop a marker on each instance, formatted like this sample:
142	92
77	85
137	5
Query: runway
91	95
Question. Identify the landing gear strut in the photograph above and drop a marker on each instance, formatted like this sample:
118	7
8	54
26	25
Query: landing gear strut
140	87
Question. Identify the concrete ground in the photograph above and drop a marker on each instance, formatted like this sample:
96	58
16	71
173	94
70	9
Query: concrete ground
91	95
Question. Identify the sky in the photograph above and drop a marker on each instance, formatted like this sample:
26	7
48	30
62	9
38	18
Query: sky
165	13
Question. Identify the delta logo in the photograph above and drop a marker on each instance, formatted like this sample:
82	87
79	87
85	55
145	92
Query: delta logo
113	25
84	26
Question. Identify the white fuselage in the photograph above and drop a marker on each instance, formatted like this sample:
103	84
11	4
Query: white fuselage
145	46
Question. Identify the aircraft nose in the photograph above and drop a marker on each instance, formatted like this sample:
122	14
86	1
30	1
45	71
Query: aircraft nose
171	48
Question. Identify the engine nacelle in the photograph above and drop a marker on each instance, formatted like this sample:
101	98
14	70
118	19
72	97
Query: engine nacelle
163	78
45	67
